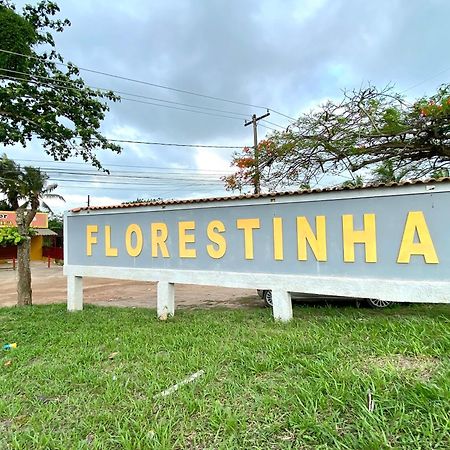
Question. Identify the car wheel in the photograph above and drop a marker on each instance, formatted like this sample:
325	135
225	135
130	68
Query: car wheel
375	303
267	297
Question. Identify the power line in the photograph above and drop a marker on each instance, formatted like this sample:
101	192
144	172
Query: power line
137	177
169	144
120	165
425	80
181	109
52	82
268	128
135	188
37	82
144	102
159	86
274	124
133	183
133	175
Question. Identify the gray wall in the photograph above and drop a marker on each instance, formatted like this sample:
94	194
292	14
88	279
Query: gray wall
391	213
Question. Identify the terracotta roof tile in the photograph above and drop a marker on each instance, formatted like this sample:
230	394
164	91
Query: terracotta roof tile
262	195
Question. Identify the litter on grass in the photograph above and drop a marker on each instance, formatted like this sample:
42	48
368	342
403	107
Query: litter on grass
113	355
175	387
370	402
10	346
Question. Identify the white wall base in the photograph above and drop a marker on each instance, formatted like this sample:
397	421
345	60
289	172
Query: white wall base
165	300
74	293
282	305
383	289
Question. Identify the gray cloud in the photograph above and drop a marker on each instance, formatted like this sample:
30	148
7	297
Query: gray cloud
284	55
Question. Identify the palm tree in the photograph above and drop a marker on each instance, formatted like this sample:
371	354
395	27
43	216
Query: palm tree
25	189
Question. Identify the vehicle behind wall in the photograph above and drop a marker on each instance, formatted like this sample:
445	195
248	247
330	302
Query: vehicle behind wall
266	295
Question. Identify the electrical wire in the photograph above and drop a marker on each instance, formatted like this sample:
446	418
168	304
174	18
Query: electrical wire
127	177
149	103
53	82
425	80
132	175
37	82
159	86
121	165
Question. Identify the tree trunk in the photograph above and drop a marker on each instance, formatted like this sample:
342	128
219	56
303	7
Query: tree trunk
24	293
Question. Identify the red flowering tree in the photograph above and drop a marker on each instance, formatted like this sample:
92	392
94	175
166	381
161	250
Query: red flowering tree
369	133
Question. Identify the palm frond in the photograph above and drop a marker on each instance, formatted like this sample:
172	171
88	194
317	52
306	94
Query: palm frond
57	196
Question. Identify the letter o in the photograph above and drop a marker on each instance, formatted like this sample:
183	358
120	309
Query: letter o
136	230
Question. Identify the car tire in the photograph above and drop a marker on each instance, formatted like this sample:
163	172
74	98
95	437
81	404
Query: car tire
267	297
378	304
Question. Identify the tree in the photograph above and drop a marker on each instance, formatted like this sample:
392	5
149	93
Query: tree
143	200
25	188
368	131
55	222
42	97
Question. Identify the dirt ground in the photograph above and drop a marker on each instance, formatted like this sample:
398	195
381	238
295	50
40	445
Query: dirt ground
49	286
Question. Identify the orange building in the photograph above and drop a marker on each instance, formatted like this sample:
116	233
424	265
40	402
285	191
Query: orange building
40	225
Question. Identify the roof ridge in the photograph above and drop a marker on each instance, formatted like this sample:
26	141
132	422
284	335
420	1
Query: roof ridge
373	185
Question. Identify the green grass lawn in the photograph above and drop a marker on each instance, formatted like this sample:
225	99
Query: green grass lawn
266	385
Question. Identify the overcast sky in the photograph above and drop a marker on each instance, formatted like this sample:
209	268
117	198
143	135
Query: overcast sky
285	55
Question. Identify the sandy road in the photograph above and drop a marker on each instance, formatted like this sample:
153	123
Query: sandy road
49	286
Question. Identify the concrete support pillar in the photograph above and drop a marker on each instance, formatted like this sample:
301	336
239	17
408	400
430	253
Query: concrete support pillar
282	305
165	300
74	293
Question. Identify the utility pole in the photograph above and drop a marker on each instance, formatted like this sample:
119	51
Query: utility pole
255	148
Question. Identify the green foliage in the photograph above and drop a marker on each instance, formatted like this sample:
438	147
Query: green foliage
387	173
55	222
370	131
36	93
17	35
358	181
143	200
441	173
10	236
5	206
25	187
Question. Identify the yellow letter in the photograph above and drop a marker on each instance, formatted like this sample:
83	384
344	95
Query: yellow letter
136	229
159	234
317	243
184	239
109	251
215	227
415	222
367	236
248	225
278	238
90	229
